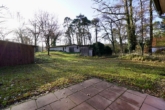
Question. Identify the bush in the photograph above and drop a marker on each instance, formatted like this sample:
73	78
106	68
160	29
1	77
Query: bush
139	58
160	51
98	49
107	50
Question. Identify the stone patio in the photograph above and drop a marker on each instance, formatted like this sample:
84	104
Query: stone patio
93	94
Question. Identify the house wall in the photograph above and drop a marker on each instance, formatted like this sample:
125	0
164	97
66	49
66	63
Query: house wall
12	54
154	49
86	51
57	48
74	48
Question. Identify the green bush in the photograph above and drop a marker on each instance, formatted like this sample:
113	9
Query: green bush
107	50
98	49
160	51
139	58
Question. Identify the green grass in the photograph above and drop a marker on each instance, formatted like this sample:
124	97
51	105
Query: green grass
60	70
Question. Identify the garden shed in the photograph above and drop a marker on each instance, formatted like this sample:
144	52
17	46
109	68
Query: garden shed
12	54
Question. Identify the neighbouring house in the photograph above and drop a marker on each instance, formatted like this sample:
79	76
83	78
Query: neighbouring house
66	48
84	50
158	43
12	54
160	7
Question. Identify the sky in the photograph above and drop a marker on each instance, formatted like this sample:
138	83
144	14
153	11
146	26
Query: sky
61	8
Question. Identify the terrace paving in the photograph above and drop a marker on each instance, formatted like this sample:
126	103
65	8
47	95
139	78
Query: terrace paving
93	94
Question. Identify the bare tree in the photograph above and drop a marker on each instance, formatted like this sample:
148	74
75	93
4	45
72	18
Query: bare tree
127	12
49	25
4	32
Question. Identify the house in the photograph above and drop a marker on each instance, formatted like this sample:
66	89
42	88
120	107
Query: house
66	48
158	43
84	50
160	7
12	54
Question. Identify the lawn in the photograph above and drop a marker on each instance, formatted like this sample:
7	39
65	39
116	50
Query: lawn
60	70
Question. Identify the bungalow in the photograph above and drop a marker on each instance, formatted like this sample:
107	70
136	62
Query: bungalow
84	50
66	48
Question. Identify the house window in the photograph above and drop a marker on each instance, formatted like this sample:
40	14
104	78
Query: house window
77	47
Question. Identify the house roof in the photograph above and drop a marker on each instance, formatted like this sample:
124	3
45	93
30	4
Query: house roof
71	45
160	7
16	43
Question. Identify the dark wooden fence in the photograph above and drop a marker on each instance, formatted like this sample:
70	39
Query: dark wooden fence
12	54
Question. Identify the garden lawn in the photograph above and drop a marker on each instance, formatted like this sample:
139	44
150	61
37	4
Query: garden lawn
60	70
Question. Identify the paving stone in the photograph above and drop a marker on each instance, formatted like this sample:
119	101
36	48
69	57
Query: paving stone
63	93
102	85
47	99
110	95
133	99
78	97
137	93
76	88
94	80
120	104
30	105
108	109
45	108
7	109
117	89
86	83
147	107
155	102
83	106
63	104
90	91
99	102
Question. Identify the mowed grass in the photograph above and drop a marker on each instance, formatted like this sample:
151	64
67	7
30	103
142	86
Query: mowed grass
60	70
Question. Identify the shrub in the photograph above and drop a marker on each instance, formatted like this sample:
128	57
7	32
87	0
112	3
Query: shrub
107	50
139	58
98	49
160	51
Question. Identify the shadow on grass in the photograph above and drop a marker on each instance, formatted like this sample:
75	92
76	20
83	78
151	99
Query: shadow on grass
23	81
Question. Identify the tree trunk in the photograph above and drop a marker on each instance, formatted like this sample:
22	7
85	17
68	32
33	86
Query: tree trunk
132	25
48	44
96	33
142	42
151	28
112	41
128	26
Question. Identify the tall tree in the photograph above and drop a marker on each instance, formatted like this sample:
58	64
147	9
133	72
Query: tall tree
68	29
95	23
49	25
151	26
106	8
35	29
